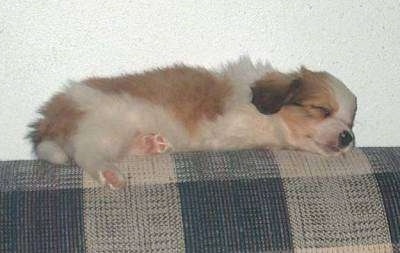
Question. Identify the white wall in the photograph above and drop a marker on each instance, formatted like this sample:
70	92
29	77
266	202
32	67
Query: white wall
44	43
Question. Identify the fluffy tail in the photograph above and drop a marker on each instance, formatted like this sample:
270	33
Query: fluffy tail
45	149
58	121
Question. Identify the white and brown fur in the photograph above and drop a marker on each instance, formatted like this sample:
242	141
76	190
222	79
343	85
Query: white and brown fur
98	121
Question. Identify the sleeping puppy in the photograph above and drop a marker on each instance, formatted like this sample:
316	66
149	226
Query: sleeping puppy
99	121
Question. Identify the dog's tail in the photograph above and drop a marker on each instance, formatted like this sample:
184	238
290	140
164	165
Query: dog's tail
44	147
49	134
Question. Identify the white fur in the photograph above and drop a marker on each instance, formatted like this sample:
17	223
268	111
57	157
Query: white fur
243	73
241	127
345	98
111	122
50	151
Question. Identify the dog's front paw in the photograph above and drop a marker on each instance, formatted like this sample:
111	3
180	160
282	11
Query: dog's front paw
113	179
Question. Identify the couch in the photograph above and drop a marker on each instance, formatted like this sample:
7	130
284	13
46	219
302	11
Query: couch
230	201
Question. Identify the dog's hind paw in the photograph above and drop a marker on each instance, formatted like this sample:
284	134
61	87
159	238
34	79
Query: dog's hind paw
148	144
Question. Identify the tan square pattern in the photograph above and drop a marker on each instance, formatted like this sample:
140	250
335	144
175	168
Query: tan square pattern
337	211
144	218
379	248
139	170
302	164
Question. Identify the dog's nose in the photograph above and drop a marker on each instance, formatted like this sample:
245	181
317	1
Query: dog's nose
345	138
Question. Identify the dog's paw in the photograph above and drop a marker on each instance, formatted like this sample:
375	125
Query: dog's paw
113	179
155	144
150	144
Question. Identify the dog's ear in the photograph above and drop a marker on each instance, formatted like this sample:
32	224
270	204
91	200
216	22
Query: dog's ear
275	91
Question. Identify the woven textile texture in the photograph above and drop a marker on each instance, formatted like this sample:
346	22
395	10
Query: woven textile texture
233	201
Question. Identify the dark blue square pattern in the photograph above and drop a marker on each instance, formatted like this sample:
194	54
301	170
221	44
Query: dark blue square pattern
227	165
235	216
389	185
385	163
41	221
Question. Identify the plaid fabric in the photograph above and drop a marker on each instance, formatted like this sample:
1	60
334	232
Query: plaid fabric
236	201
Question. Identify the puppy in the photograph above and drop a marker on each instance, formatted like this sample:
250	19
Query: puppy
98	121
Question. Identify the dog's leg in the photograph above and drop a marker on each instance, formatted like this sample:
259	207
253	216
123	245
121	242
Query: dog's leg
146	144
113	178
103	172
98	160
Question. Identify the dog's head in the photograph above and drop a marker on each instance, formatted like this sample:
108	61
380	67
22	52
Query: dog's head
317	108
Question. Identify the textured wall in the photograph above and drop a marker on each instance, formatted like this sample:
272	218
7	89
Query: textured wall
43	43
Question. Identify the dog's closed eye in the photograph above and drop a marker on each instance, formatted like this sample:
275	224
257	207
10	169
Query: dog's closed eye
325	111
315	109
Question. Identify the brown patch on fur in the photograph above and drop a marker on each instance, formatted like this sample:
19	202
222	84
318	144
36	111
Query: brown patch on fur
313	102
190	94
60	116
